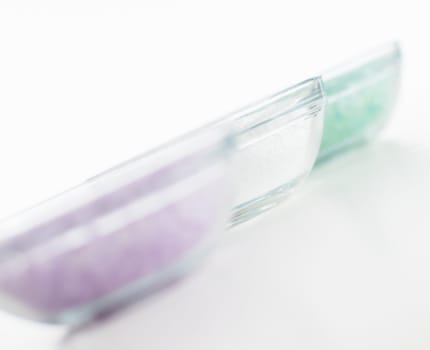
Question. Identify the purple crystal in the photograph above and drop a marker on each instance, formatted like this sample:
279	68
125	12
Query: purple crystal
144	246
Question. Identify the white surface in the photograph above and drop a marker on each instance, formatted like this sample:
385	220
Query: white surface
86	84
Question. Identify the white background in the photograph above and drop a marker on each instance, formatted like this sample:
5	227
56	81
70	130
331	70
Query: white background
343	265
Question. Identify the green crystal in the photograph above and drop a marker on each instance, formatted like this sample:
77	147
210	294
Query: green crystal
360	98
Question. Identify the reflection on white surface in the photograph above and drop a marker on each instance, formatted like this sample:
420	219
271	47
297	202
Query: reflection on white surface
344	265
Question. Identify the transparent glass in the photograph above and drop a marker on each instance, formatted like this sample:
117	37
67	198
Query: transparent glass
360	97
118	236
143	224
277	140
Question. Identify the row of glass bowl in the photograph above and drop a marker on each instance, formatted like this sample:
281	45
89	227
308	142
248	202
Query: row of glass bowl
143	224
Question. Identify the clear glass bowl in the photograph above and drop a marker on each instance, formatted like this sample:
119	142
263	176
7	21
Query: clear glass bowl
118	236
277	141
360	97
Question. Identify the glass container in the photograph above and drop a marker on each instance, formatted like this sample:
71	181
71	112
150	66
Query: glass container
360	97
277	141
118	236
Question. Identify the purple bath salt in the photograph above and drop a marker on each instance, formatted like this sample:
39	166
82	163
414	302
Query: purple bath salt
120	244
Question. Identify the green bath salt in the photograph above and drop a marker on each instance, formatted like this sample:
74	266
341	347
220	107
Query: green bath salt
360	97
